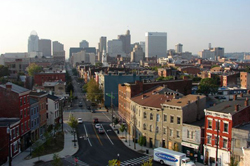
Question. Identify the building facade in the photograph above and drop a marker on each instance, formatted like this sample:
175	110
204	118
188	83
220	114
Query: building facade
34	119
156	44
33	42
126	42
44	46
84	44
41	78
137	54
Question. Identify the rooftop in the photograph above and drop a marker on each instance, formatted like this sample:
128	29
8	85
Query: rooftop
184	100
244	127
37	93
52	97
5	122
33	101
15	88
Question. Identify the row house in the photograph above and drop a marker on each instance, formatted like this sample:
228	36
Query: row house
14	103
10	138
34	119
158	114
53	110
40	78
219	121
42	101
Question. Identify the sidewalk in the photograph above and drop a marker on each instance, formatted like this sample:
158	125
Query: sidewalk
135	146
68	150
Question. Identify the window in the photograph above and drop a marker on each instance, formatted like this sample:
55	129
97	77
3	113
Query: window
21	102
157	117
178	120
172	119
225	127
31	112
55	106
164	130
25	126
24	100
209	139
144	126
192	135
157	129
144	115
165	118
187	133
150	128
209	124
28	112
224	143
15	146
151	116
21	128
170	132
21	114
178	134
17	131
24	112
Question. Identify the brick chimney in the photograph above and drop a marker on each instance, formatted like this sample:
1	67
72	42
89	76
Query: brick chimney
246	102
8	86
236	108
235	97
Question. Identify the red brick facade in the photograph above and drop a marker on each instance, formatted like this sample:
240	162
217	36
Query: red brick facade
40	78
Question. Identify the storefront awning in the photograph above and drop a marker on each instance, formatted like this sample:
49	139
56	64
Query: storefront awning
190	145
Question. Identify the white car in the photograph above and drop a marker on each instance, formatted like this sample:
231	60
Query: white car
79	120
97	126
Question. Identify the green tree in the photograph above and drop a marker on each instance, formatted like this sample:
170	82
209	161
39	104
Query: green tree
112	162
142	141
148	163
196	79
208	85
98	64
38	151
159	78
85	87
73	124
233	161
4	71
34	68
122	128
56	160
69	87
94	94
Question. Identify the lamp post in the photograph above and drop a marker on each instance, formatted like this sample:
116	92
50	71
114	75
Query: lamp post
30	147
125	133
8	132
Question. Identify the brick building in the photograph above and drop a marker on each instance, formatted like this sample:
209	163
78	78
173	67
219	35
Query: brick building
42	102
40	78
219	121
190	70
245	80
164	72
14	103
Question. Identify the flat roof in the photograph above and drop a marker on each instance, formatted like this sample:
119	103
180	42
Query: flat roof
5	122
15	88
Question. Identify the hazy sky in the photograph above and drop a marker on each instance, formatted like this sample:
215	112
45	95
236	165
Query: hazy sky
194	23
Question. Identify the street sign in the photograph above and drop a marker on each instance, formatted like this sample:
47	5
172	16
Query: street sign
109	95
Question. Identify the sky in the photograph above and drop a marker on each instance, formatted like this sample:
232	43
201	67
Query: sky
194	23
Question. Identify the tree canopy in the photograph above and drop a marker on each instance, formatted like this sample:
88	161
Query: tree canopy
72	122
208	85
4	71
94	94
34	68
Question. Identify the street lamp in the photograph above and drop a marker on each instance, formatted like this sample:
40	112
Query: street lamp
126	133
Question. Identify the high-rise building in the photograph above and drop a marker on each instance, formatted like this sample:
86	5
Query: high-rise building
33	42
126	41
102	45
178	48
156	44
115	48
142	44
84	44
44	46
74	50
57	47
137	54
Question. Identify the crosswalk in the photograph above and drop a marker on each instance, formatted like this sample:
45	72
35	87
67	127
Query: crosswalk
71	160
135	161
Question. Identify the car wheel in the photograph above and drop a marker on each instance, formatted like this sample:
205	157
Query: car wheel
161	162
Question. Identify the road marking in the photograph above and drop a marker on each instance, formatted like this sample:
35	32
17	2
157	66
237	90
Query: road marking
97	134
108	136
87	135
106	116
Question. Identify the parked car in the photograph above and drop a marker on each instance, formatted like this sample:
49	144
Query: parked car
96	120
93	111
79	120
100	130
97	126
88	107
80	104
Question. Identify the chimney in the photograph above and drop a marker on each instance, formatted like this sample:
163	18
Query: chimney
235	97
236	107
241	94
246	102
8	86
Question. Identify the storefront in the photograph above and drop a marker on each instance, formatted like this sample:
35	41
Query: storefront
192	151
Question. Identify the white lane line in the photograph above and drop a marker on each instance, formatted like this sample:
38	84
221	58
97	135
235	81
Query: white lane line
106	116
108	136
87	135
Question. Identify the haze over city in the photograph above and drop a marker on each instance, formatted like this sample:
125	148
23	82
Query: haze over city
192	23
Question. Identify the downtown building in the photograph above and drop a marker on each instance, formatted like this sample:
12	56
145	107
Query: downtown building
156	44
126	42
44	46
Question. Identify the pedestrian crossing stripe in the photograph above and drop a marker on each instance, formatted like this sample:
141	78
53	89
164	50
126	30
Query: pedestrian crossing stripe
138	160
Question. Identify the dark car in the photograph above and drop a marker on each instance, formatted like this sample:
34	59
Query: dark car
96	120
80	104
88	107
93	111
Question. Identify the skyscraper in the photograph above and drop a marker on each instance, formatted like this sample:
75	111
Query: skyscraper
126	41
178	48
44	46
102	46
33	42
57	47
156	44
84	44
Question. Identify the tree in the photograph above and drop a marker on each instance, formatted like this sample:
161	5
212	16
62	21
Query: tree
233	161
94	94
69	87
208	85
112	162
34	68
122	128
56	160
98	64
73	124
4	71
148	163
39	148
142	141
196	79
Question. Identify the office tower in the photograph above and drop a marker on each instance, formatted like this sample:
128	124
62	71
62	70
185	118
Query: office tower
104	59
137	54
33	42
57	47
178	48
218	52
102	46
84	44
44	46
115	48
125	42
142	44
156	44
74	50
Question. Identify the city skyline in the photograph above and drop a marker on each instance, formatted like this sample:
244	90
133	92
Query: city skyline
193	24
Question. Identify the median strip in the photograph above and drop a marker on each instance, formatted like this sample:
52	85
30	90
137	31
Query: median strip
87	135
97	135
